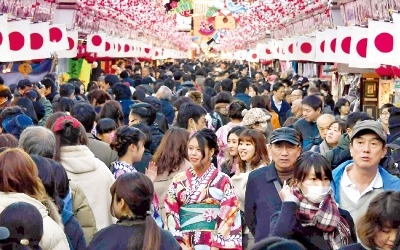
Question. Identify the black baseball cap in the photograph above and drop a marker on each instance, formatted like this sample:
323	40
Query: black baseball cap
285	135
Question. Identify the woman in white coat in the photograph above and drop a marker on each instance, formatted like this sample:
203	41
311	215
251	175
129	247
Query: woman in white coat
83	168
19	181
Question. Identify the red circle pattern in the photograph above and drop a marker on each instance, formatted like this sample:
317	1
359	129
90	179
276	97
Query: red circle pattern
55	34
384	42
346	45
97	40
306	48
17	40
36	41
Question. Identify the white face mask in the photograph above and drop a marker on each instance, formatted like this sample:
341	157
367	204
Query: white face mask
316	194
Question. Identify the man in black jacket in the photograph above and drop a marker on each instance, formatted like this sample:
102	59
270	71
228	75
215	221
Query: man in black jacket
264	184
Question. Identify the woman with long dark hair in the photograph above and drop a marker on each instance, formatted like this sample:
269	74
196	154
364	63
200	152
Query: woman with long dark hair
132	194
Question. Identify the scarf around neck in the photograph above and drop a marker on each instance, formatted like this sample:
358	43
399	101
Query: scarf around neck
326	217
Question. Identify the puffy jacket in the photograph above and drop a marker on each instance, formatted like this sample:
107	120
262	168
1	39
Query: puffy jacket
83	212
93	177
53	235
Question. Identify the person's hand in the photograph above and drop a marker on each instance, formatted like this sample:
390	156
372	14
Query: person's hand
151	171
286	192
42	91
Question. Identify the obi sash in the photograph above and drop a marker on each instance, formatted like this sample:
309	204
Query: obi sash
198	217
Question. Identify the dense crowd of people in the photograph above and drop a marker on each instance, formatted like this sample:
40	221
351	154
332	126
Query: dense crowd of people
199	155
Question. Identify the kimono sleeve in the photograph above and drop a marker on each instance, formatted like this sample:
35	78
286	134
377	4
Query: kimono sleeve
172	207
229	231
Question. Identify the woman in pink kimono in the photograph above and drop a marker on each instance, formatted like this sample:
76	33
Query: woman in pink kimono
202	209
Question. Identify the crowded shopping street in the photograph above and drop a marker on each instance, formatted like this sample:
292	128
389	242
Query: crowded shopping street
200	124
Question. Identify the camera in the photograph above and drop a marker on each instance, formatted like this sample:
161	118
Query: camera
39	85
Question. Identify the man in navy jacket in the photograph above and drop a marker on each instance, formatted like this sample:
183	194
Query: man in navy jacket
262	198
278	103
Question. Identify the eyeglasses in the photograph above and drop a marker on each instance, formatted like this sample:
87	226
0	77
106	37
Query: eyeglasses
385	113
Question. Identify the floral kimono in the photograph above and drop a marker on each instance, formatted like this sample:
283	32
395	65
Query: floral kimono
203	212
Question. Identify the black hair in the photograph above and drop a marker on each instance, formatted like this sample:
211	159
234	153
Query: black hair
180	101
313	101
105	125
67	89
206	137
209	91
169	83
242	85
277	86
227	85
85	114
145	111
61	178
384	106
235	130
341	102
64	104
233	76
235	109
209	82
137	190
306	161
186	77
46	175
223	97
177	75
27	105
124	137
187	111
121	91
341	124
355	117
146	130
255	88
138	95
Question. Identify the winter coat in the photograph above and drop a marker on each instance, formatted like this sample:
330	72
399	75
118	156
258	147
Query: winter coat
168	110
93	177
83	212
117	237
73	230
54	237
262	200
285	224
101	150
156	136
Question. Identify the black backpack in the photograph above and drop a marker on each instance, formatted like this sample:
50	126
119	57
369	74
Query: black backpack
391	161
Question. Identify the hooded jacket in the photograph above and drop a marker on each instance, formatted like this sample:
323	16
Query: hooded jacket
93	177
53	235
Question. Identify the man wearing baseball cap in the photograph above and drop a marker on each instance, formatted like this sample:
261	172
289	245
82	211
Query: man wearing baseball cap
358	181
264	184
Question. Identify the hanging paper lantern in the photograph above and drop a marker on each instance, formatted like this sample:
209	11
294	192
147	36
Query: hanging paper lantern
385	70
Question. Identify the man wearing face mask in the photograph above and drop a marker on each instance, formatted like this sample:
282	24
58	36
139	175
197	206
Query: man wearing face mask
356	182
263	185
